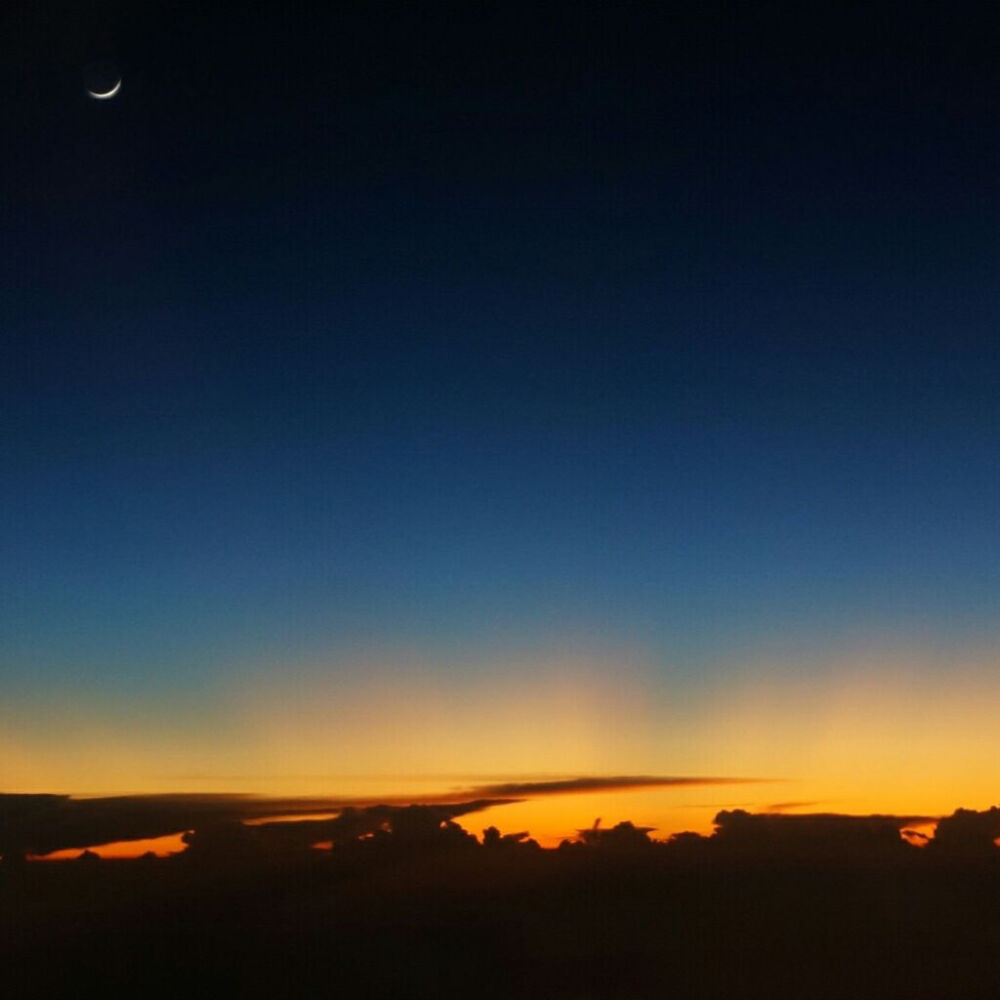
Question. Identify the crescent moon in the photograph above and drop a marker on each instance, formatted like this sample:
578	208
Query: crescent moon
107	94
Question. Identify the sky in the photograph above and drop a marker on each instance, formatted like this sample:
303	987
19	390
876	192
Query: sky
396	398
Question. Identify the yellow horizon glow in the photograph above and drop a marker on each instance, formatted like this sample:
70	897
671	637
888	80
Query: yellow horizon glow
876	729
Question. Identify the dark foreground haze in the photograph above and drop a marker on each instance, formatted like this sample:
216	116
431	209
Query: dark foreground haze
769	906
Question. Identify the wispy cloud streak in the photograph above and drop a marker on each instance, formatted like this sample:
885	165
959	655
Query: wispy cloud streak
568	786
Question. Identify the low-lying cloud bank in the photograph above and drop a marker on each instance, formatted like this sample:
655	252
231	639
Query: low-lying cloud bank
811	833
43	824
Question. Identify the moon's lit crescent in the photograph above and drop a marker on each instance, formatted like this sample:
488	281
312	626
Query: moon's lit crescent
107	94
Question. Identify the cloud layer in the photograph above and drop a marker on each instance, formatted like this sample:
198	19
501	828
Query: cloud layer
41	824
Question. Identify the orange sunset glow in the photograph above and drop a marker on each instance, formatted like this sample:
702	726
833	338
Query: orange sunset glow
875	731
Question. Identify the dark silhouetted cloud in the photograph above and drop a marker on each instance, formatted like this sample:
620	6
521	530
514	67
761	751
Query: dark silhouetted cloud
813	834
412	821
967	833
563	786
625	836
41	824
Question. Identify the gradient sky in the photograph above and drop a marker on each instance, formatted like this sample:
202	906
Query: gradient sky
390	396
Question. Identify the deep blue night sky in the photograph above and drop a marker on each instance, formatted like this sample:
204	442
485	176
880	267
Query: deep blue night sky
461	331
